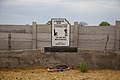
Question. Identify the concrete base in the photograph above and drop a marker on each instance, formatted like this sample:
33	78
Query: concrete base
34	58
60	49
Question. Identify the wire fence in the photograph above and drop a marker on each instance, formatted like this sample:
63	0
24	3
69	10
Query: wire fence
19	43
97	44
13	43
3	44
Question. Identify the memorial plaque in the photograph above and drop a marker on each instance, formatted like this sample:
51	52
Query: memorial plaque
60	36
60	32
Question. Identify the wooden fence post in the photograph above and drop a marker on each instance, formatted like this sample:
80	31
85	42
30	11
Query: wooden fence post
9	41
106	43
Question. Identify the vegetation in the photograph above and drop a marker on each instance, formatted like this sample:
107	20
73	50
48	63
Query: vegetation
83	24
83	66
49	22
104	24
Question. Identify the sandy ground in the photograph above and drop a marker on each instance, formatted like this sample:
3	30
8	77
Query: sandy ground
43	74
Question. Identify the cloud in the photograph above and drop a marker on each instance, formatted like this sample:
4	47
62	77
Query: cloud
28	2
91	11
96	5
70	4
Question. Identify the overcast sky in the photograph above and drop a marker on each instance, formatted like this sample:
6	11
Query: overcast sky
90	11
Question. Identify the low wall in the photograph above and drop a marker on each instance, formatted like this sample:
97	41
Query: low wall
35	58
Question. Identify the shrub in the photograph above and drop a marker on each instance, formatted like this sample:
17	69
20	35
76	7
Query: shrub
83	66
104	24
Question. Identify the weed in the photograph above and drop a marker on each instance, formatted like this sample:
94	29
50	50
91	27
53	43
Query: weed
83	66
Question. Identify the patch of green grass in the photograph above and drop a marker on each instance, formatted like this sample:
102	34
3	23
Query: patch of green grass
83	66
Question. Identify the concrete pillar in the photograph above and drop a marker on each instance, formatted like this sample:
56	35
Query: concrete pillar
117	36
34	35
75	34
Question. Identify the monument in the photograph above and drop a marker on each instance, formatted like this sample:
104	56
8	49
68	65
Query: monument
60	36
60	32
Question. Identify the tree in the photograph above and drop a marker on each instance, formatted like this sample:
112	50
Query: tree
104	24
48	23
83	23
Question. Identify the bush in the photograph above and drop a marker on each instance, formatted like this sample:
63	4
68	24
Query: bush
83	66
104	24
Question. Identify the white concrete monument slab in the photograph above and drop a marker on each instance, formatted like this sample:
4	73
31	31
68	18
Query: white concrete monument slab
60	32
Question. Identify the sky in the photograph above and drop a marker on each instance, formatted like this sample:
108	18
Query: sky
41	11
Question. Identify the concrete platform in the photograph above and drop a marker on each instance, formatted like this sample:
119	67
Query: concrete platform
60	49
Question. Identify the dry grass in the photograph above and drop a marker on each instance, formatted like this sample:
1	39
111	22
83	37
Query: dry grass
43	74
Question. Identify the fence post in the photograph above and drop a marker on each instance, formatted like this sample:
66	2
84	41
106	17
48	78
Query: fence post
75	34
34	36
117	36
9	41
106	43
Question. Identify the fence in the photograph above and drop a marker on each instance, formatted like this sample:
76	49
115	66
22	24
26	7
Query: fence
11	43
38	36
97	38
